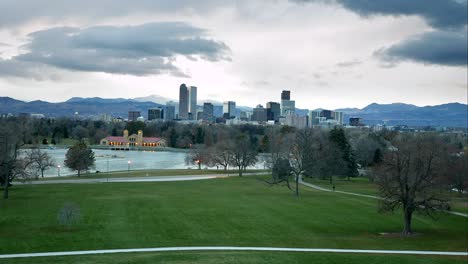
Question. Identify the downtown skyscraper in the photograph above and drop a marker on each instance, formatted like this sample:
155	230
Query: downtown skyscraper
187	102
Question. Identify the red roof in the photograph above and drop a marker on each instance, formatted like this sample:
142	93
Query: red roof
116	139
122	139
151	140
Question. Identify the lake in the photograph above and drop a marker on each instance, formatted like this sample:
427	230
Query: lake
118	160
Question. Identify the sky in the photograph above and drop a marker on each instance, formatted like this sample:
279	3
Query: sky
329	53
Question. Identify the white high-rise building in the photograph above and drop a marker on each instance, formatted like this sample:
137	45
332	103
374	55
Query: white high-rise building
192	95
229	108
187	102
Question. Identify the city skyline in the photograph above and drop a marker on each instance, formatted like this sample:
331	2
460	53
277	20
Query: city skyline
348	54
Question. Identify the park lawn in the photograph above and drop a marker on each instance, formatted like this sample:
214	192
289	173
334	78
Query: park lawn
220	257
146	173
220	212
362	185
458	201
359	185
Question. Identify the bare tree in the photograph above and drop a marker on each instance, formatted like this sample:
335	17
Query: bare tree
12	164
243	155
198	154
281	173
69	214
409	177
301	154
41	160
278	145
221	154
327	157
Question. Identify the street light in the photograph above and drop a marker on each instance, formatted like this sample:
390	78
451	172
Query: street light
58	170
128	168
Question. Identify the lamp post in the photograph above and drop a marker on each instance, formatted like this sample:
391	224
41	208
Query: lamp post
128	168
107	174
58	170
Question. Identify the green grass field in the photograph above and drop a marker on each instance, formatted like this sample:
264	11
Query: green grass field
221	212
356	185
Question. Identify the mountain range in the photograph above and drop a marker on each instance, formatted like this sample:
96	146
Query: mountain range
449	115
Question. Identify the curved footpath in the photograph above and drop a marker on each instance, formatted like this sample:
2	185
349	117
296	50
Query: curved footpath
276	249
363	195
142	179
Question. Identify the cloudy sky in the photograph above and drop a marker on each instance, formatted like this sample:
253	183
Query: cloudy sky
329	53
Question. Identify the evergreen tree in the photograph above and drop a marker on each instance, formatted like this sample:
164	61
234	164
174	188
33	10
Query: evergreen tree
338	137
172	138
79	157
378	156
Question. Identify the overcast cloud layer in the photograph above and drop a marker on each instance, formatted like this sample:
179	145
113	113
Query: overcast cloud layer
330	53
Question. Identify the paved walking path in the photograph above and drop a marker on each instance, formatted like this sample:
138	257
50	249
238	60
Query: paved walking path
277	249
143	179
363	195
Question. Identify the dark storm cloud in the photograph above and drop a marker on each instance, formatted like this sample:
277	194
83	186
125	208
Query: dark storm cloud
437	47
438	13
447	45
137	50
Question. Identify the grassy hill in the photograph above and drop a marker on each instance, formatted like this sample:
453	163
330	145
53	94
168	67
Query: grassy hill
221	212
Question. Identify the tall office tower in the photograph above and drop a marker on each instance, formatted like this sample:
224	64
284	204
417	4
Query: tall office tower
169	114
314	118
259	114
327	114
245	116
192	92
286	95
208	112
229	109
183	102
338	116
273	111
288	106
294	120
133	115
155	114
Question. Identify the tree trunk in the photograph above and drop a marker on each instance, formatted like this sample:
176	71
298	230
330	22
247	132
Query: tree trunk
7	183
407	217
79	173
240	171
297	185
42	173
